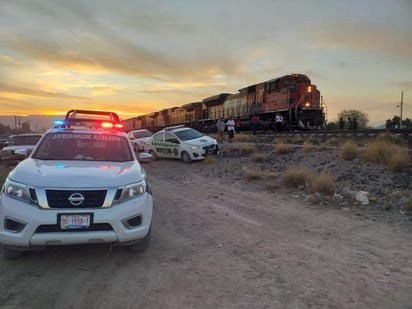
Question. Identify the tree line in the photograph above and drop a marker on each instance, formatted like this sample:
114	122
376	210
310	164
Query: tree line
362	120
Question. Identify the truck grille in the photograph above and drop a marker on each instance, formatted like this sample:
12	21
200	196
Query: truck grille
60	198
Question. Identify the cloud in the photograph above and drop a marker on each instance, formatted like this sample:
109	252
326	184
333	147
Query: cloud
4	88
364	37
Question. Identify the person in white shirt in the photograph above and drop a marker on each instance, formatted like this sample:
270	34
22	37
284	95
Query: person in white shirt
230	124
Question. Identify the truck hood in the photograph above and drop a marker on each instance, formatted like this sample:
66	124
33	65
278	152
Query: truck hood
75	174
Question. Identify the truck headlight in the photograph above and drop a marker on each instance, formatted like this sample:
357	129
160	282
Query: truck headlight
132	191
18	191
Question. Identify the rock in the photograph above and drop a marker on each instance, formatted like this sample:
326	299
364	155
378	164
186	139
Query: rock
362	197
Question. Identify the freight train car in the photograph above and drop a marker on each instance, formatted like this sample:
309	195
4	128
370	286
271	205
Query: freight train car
293	96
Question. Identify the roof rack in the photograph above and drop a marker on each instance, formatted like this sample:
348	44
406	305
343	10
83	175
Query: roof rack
90	119
74	113
175	127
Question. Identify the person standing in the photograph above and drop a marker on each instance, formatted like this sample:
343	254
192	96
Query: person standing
220	125
230	124
341	124
278	122
237	125
254	121
350	124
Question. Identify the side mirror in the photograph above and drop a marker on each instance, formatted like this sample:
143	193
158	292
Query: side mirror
21	154
144	157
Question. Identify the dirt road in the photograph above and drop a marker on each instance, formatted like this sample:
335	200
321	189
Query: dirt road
219	244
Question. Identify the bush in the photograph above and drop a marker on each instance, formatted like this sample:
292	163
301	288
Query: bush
259	157
389	138
399	160
296	177
241	137
283	148
322	182
308	147
349	151
386	150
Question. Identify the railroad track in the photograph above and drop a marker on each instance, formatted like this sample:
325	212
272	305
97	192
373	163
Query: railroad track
323	136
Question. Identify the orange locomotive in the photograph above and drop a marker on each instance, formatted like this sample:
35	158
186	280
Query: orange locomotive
292	96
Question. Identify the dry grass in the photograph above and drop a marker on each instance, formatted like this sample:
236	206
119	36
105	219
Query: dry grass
349	151
250	173
407	207
399	160
210	160
242	148
283	148
335	141
325	146
322	182
389	138
296	177
241	137
259	157
296	140
386	150
308	147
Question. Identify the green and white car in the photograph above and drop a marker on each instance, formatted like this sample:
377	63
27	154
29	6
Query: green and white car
181	143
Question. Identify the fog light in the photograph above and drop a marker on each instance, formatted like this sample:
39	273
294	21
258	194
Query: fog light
13	226
132	221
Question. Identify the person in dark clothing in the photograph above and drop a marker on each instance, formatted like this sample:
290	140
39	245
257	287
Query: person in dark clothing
341	124
255	121
350	124
237	125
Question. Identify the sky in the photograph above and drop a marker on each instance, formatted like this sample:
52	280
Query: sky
136	57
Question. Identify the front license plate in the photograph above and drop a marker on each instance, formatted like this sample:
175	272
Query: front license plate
79	221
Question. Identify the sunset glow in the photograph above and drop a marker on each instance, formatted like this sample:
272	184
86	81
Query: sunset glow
142	56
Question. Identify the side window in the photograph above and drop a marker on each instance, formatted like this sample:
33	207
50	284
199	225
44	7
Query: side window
158	137
171	138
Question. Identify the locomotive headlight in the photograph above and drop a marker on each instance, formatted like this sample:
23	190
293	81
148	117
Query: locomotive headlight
307	104
309	89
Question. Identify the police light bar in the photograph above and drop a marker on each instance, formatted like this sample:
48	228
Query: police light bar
59	123
111	125
90	119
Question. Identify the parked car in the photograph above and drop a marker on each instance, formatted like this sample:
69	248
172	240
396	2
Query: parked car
3	140
27	141
181	143
139	138
82	184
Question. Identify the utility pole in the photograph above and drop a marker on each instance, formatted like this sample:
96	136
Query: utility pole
400	122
